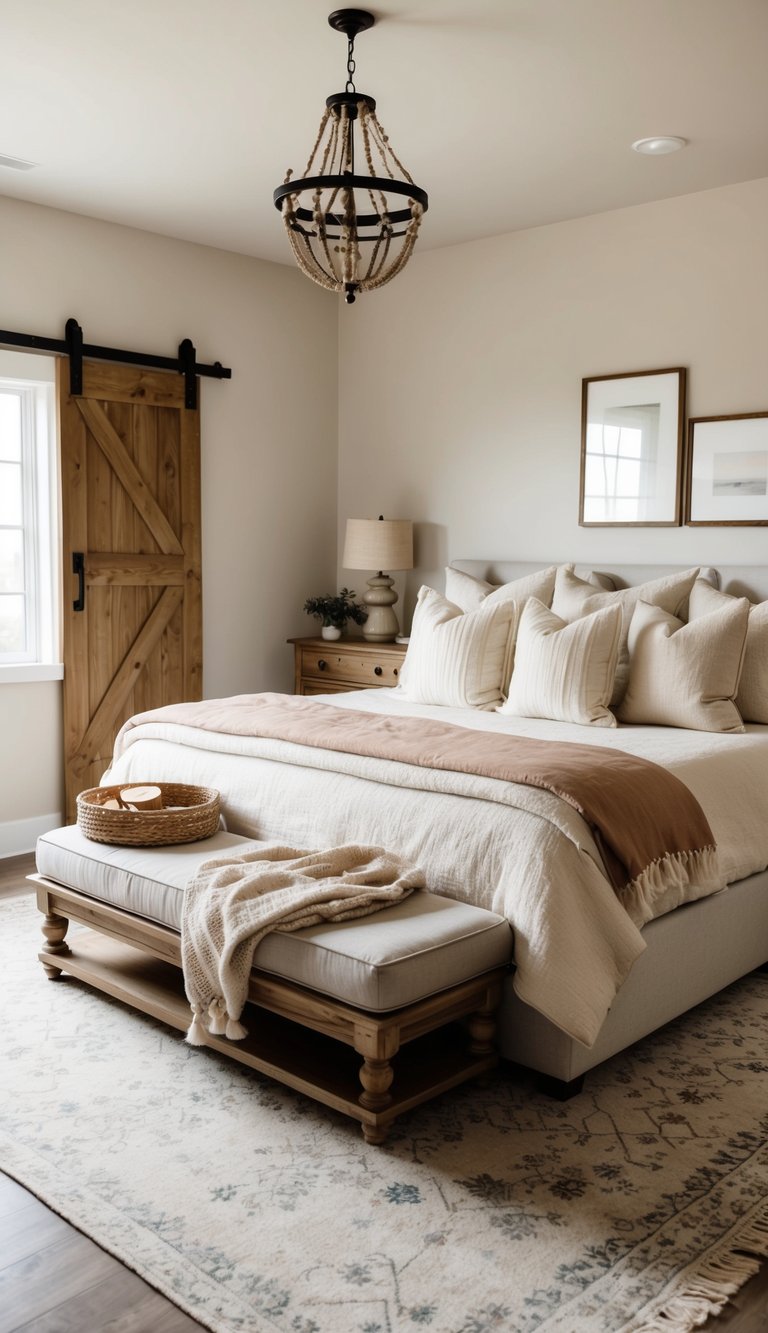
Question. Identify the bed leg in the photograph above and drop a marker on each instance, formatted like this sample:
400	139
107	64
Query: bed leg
54	929
559	1088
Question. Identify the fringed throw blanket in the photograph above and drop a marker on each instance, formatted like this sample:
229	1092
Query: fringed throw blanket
650	829
232	902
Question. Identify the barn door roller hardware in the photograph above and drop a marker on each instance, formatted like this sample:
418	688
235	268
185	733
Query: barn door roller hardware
72	345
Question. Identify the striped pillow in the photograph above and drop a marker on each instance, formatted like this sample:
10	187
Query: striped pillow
455	658
565	671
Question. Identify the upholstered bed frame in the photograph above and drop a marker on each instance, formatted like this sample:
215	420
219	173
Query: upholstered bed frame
692	952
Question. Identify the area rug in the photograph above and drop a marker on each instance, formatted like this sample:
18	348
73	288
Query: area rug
638	1205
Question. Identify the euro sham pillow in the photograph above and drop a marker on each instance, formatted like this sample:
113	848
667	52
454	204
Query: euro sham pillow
752	697
467	592
686	675
457	658
565	671
574	598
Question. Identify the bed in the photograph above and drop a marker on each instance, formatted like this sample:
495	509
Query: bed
592	975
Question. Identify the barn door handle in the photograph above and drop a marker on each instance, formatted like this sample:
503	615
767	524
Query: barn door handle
78	567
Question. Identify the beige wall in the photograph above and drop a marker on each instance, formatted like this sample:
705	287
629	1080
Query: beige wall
459	393
269	441
461	382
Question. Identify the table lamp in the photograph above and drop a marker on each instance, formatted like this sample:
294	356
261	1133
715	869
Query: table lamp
379	543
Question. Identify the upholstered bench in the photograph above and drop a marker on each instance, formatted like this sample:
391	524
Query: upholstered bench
391	987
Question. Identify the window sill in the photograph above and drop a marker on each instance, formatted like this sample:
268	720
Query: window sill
20	673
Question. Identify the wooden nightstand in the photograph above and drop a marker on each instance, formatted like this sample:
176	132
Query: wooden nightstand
325	667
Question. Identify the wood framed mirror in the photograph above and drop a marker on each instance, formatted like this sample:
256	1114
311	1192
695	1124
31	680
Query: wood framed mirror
632	429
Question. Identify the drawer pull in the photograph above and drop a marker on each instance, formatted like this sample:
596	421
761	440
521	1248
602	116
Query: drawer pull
378	671
395	671
322	664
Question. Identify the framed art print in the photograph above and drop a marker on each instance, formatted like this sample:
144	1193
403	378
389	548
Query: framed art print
727	470
632	449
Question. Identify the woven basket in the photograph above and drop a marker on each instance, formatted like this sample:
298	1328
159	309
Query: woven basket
198	818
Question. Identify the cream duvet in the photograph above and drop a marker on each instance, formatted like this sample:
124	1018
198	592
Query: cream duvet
518	850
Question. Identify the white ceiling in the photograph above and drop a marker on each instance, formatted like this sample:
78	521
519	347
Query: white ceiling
181	116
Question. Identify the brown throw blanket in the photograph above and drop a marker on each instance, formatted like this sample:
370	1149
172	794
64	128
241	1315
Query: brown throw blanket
644	819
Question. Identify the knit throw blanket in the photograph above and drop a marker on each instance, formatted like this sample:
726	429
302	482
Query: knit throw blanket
232	902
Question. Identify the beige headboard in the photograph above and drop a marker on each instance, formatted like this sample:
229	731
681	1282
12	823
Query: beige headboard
741	580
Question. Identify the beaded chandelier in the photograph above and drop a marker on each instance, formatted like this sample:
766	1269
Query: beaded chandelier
348	236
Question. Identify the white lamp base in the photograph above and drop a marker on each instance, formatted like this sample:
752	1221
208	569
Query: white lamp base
381	625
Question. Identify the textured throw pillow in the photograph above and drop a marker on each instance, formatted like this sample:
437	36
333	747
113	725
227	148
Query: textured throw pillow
469	593
573	598
686	675
752	698
565	671
455	658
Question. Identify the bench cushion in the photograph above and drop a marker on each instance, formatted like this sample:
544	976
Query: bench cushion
397	956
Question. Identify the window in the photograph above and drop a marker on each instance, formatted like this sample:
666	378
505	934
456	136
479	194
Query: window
28	527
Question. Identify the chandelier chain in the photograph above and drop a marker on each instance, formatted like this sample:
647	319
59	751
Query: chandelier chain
350	88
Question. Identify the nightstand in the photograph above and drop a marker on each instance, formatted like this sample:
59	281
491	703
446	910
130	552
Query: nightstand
329	667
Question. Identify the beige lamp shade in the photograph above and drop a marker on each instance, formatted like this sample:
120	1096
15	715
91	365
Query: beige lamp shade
378	543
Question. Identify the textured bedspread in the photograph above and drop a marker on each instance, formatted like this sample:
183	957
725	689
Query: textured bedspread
515	849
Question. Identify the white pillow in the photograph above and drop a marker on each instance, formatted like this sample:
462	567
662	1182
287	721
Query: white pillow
573	598
469	593
686	675
455	658
752	697
565	671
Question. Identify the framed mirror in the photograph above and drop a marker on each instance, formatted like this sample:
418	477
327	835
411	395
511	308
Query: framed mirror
632	449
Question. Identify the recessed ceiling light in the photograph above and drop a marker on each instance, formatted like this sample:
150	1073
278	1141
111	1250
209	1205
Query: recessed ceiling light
659	144
16	163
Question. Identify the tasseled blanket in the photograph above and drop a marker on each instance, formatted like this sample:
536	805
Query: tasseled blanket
232	902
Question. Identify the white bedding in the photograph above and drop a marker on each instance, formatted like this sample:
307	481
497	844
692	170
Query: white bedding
515	849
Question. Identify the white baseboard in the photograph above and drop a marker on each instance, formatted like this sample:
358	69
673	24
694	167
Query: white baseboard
18	836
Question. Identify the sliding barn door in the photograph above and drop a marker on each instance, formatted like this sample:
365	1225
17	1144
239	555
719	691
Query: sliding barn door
130	477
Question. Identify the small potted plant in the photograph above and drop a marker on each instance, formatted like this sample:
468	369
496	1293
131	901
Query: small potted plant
335	611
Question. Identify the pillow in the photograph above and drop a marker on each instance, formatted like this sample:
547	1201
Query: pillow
469	593
752	698
573	598
601	580
565	671
686	675
456	658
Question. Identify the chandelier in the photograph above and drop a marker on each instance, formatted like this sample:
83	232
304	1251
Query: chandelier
352	232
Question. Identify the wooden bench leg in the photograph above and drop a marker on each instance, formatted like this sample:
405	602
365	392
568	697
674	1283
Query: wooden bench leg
482	1030
377	1045
54	929
376	1077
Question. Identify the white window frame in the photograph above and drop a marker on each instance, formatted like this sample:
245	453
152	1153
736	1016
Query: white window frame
40	518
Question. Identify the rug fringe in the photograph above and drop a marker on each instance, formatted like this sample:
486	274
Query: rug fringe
708	1289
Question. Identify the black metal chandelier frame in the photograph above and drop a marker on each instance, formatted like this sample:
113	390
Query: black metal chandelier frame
316	224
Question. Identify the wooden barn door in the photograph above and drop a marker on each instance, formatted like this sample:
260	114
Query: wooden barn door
130	475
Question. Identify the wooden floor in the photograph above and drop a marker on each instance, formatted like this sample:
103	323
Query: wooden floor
53	1279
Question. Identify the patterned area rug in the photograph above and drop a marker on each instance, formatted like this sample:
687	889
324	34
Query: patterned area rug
493	1208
